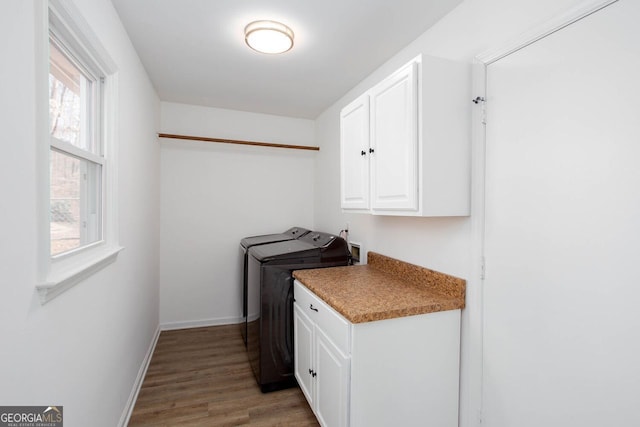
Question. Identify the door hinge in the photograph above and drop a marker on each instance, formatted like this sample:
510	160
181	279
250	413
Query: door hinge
482	268
482	101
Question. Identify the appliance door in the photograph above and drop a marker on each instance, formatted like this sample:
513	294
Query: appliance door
269	325
252	324
245	245
244	265
276	328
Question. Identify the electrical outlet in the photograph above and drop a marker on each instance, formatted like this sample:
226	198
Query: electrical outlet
355	252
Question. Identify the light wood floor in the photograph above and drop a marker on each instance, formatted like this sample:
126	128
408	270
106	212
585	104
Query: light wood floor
202	377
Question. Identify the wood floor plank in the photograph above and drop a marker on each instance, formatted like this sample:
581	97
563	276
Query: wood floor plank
201	377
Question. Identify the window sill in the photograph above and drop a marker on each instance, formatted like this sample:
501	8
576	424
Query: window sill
56	284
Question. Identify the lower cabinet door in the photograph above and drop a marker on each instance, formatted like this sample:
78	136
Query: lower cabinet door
332	383
303	352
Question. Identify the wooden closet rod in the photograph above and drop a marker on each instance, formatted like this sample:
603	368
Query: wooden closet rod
235	141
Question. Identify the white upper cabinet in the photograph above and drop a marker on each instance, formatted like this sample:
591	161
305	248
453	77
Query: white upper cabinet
405	143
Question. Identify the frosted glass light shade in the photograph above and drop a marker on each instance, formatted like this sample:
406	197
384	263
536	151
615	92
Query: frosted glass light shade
268	37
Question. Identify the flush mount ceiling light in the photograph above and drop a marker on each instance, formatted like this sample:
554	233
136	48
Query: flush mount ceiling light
268	36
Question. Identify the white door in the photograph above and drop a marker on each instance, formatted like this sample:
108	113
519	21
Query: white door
562	228
354	154
394	141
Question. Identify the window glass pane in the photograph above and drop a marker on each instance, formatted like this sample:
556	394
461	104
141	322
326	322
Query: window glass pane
69	101
75	204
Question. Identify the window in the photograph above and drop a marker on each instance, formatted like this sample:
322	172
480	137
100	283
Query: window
76	161
76	156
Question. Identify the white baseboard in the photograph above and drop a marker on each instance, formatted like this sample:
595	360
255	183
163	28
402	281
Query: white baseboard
128	409
169	326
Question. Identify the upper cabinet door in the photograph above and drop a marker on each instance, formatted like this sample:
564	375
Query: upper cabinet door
354	156
394	141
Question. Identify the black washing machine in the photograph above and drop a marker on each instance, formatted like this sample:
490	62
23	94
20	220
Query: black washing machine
248	242
270	301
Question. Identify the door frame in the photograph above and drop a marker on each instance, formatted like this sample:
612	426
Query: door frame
472	398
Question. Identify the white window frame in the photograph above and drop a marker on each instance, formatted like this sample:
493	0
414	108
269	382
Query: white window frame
59	273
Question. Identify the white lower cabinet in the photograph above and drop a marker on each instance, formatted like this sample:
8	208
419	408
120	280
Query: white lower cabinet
321	370
321	357
402	371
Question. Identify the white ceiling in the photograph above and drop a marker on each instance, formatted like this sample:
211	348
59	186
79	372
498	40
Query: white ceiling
194	50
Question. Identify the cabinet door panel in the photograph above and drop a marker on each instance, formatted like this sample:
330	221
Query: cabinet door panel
303	352
326	318
394	139
332	382
354	154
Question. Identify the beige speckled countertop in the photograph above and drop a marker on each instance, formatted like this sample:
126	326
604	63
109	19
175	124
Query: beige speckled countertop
383	289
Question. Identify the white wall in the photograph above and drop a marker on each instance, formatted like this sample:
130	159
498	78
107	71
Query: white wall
443	244
215	194
82	350
562	208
